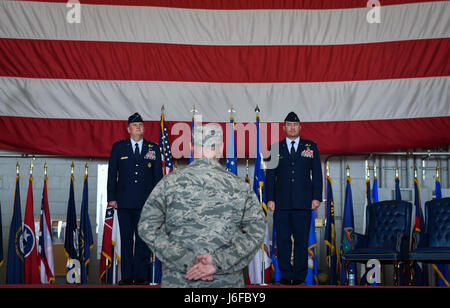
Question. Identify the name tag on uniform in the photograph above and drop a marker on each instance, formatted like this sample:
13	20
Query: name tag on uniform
308	153
124	157
150	155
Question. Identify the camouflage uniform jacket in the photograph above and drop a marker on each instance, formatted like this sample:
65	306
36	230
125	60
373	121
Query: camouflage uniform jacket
200	209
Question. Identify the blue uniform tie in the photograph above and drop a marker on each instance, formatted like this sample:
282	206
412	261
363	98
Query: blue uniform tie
136	150
292	149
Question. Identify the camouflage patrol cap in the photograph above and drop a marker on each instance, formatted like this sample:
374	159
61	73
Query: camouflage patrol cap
207	135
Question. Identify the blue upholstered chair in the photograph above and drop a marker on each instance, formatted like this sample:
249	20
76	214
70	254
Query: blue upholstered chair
387	234
433	243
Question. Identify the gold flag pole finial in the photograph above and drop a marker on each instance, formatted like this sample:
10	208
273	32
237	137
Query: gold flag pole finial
368	171
86	169
45	169
328	168
348	170
71	169
396	171
17	169
246	167
163	109
415	171
31	169
437	170
374	169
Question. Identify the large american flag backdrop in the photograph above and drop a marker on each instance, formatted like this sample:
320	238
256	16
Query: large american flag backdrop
68	88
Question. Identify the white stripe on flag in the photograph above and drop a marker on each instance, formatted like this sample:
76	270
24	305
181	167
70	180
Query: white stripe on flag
44	20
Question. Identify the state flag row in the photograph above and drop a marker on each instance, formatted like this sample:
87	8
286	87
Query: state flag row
30	258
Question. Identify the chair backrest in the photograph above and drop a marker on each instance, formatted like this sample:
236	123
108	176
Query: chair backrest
437	222
384	220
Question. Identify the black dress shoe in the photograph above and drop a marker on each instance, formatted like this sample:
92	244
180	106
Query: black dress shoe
141	282
298	283
285	282
125	282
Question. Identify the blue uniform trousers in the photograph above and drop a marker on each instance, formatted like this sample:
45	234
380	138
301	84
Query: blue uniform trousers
135	253
295	223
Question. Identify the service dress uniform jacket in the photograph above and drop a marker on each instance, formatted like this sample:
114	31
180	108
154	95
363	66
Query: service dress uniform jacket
296	181
131	179
293	184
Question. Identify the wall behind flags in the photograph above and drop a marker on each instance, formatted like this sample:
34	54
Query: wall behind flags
59	173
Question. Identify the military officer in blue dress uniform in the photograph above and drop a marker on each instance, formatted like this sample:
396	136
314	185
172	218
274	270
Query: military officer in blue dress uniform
293	189
134	169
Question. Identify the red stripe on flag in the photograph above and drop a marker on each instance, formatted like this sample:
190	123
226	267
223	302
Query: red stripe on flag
199	63
245	5
95	137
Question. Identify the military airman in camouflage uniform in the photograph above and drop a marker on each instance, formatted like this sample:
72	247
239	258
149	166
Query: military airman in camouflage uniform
203	215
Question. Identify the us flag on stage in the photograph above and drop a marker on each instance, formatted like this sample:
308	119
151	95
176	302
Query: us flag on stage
164	145
360	86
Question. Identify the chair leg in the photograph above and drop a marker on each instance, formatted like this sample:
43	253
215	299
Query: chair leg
396	270
410	274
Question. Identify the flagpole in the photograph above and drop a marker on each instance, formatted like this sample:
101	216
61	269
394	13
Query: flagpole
106	270
194	112
263	263
153	283
260	187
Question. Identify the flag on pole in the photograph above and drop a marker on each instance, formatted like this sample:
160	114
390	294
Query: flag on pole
164	145
71	236
115	240
398	194
418	225
441	269
31	259
368	194
106	257
274	254
348	226
45	249
167	165
231	164
330	237
15	266
417	269
438	189
375	190
312	273
262	256
86	242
